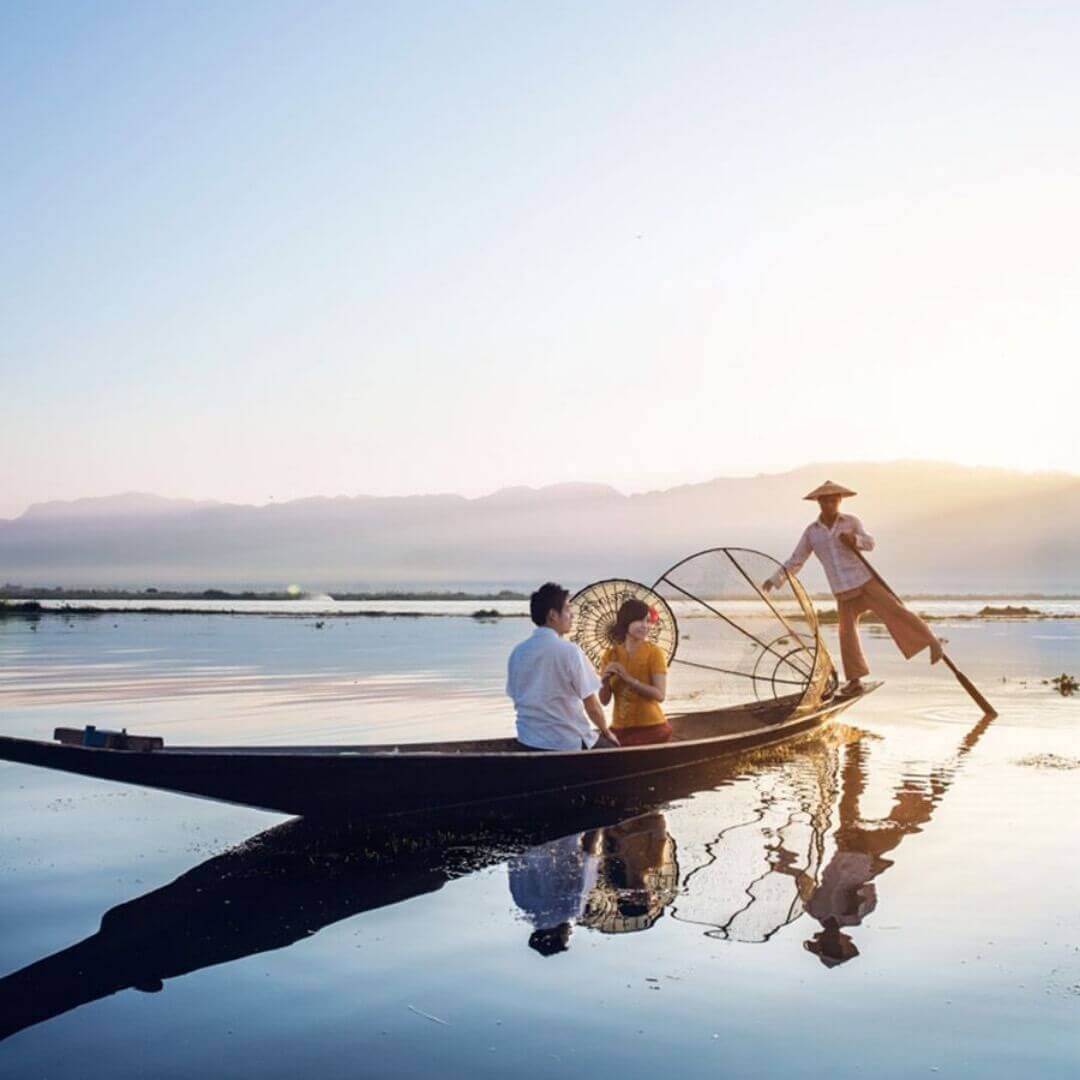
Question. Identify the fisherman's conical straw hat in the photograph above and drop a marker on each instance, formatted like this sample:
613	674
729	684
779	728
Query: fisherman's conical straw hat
829	488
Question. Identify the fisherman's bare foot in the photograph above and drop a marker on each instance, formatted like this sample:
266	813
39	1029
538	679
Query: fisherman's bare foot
852	686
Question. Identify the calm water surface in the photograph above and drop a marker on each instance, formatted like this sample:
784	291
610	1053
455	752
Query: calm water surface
894	898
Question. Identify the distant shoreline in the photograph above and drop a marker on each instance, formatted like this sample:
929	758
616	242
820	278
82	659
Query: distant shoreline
25	593
33	609
831	617
36	608
22	593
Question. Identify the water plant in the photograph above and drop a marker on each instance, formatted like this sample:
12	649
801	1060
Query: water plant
1066	685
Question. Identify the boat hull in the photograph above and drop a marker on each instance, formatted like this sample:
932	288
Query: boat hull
360	783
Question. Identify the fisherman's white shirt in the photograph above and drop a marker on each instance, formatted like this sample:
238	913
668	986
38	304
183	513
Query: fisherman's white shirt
844	569
549	679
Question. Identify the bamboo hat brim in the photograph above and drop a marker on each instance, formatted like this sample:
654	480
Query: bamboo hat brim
829	488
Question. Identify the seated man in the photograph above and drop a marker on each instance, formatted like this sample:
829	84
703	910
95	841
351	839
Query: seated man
551	681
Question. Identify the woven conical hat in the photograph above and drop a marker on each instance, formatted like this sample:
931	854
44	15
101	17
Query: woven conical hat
829	488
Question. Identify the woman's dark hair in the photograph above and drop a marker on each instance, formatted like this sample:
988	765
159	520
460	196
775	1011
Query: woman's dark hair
549	597
631	611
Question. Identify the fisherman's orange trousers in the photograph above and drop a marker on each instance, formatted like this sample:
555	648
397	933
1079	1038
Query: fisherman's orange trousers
910	633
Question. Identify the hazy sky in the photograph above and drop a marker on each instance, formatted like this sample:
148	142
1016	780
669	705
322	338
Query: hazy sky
269	249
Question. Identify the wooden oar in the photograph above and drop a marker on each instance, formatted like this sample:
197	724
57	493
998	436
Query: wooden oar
961	678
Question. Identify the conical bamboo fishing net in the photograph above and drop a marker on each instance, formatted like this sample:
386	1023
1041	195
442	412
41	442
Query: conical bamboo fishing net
739	642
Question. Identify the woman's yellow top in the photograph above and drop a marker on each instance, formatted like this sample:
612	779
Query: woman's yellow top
631	709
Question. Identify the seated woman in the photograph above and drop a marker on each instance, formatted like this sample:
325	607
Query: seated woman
634	672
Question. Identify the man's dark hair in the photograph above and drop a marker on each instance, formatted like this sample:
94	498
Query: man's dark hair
549	597
548	942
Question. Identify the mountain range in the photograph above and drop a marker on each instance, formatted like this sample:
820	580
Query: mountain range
939	528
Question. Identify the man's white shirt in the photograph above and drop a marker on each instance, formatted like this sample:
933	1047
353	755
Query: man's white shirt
549	679
551	883
844	569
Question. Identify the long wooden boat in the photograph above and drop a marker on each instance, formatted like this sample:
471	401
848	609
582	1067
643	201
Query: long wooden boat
363	782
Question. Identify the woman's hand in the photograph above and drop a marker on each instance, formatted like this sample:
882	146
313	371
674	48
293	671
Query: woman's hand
615	668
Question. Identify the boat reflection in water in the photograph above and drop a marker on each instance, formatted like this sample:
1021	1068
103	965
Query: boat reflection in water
763	853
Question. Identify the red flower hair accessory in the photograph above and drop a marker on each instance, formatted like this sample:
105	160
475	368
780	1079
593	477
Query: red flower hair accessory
654	615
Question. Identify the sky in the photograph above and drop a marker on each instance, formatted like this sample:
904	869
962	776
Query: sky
259	251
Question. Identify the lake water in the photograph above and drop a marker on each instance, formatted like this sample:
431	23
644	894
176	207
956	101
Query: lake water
896	897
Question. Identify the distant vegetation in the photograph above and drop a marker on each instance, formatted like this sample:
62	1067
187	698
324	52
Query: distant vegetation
830	617
503	594
25	607
15	592
1066	685
20	592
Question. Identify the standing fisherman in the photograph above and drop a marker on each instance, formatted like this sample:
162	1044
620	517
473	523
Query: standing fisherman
834	538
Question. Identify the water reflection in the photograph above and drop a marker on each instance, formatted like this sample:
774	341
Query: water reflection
638	876
616	879
846	892
778	856
785	837
753	875
285	884
550	884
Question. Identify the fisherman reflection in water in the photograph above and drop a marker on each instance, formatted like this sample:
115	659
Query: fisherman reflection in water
846	893
552	684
